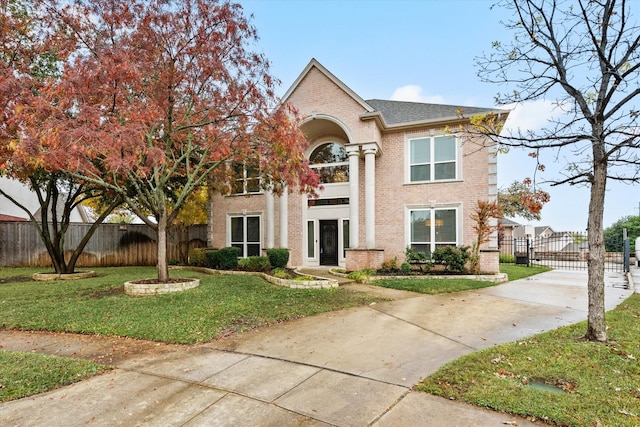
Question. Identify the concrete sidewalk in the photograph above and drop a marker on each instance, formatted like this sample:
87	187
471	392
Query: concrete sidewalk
353	367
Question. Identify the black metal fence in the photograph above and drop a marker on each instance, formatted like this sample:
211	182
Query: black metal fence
564	251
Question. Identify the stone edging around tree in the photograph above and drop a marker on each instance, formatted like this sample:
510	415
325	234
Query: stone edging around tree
140	288
49	277
319	283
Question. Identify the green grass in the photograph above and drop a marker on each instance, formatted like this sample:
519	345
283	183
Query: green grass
516	272
598	384
221	305
26	374
433	286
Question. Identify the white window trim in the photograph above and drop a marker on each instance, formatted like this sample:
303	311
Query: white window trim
407	158
244	243
317	166
448	206
244	181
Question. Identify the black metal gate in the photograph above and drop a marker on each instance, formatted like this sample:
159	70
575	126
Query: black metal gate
562	251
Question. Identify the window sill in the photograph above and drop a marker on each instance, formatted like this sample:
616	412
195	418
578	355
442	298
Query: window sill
443	181
244	194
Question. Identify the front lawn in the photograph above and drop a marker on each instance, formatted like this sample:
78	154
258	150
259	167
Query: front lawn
555	376
431	286
221	305
26	374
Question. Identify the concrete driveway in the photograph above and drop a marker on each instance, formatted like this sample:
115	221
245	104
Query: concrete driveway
353	367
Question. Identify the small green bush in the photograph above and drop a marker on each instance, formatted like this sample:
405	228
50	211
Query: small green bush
389	266
507	259
278	257
281	273
454	258
361	276
254	263
198	258
228	258
211	259
405	267
411	255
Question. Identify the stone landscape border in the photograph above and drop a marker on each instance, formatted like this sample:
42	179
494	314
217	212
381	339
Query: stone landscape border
496	278
50	277
139	288
317	283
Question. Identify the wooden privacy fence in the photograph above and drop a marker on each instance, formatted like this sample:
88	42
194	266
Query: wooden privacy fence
110	245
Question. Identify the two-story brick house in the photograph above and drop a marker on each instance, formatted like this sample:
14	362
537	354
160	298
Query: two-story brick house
394	175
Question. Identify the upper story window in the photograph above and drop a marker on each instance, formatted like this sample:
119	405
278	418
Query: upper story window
247	179
331	162
433	158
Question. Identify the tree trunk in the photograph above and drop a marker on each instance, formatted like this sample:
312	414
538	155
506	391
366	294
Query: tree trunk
163	267
596	328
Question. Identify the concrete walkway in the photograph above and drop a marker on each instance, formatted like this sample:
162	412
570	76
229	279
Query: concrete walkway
352	367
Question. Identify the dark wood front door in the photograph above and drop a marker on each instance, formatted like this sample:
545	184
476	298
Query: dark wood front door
329	242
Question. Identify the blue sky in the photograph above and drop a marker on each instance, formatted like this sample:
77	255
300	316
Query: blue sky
417	50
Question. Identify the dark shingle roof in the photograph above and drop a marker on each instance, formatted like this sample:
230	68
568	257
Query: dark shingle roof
397	112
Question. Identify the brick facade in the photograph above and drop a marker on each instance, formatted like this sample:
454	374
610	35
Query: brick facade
335	114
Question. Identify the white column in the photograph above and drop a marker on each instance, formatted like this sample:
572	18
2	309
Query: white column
354	195
284	219
370	196
270	219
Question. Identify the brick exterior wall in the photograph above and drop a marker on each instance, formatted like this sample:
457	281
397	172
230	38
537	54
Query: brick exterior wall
317	95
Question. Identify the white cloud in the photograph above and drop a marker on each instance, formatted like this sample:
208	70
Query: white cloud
413	93
531	115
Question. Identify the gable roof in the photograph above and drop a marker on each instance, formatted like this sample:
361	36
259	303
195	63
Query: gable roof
315	64
403	112
396	114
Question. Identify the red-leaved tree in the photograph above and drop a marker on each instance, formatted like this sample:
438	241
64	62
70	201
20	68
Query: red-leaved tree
160	97
31	55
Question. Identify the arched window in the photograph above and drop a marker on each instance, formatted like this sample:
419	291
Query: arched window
331	162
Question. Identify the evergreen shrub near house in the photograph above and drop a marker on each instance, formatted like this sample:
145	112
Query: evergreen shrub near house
411	255
278	257
228	258
211	258
405	267
452	257
254	263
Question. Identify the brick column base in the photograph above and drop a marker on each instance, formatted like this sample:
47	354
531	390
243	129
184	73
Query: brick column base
357	259
489	261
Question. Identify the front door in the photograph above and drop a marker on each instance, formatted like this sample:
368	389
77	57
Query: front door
328	242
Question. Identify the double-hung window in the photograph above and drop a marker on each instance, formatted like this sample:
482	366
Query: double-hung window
433	158
247	178
245	234
430	229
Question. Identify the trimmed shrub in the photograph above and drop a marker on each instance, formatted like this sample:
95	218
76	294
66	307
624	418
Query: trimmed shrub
198	258
211	259
278	257
254	263
453	258
405	267
227	258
